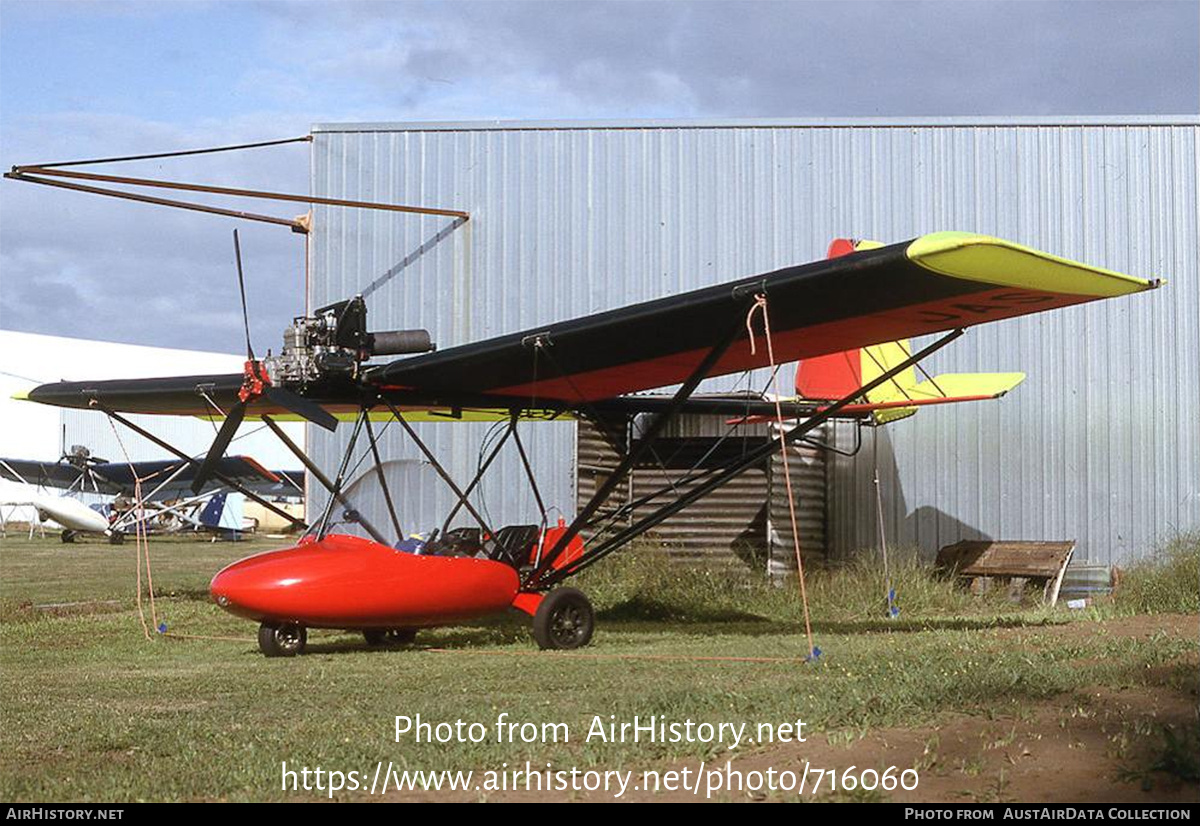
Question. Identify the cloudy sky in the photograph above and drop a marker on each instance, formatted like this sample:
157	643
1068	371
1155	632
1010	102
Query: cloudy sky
88	79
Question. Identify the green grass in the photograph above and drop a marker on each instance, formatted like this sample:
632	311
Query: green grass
1181	753
46	571
645	585
1166	583
91	710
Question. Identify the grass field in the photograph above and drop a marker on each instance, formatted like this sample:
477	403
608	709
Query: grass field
92	710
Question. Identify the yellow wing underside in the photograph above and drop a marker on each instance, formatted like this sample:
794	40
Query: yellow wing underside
433	415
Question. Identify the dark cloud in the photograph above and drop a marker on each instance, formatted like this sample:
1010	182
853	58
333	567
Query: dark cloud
77	265
772	59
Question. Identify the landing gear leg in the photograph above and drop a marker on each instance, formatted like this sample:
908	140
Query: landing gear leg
564	620
285	640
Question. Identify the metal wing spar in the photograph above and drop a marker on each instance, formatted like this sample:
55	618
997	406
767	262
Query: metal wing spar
934	283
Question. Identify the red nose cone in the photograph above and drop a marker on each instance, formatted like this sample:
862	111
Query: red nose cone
348	582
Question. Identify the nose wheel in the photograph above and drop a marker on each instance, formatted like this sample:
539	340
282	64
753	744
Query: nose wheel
282	640
564	620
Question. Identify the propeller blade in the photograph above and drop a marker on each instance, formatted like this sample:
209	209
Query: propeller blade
237	253
301	407
217	451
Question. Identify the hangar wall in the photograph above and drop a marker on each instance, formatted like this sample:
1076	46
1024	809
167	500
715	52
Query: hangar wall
1100	444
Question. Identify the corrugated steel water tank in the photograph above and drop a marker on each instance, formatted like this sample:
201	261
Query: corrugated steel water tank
746	521
1100	444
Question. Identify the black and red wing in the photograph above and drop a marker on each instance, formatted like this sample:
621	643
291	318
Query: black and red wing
934	283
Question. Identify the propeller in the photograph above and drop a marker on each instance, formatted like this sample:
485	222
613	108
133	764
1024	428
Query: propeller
255	383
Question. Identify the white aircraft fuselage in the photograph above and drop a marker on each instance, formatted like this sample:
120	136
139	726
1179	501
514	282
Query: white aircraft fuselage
70	513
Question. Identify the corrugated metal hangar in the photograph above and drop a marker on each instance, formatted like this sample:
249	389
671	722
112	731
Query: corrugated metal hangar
1100	444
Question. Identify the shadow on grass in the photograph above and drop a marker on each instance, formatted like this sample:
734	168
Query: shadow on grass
762	627
500	631
903	626
640	608
642	612
515	631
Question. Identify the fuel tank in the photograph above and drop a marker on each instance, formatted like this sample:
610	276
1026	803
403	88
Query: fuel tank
345	581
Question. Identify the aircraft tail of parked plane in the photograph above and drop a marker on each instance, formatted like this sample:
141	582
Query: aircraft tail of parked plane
223	514
835	375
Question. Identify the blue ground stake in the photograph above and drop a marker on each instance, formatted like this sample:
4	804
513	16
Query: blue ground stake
893	611
162	628
813	655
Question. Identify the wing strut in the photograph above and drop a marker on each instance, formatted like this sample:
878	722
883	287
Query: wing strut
491	457
383	485
622	470
441	471
539	580
225	480
336	494
334	491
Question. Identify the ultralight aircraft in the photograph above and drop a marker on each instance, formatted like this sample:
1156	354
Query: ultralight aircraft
592	367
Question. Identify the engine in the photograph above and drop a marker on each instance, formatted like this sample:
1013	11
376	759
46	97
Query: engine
333	343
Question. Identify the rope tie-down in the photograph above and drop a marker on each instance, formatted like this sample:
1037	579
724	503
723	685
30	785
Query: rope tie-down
142	555
141	545
760	307
893	610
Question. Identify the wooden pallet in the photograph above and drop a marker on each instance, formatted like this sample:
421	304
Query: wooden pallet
1015	562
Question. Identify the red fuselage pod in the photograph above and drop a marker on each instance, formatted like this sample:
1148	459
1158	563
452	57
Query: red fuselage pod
347	582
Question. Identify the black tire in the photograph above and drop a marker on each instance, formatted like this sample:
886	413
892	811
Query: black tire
389	636
564	620
285	640
116	538
67	536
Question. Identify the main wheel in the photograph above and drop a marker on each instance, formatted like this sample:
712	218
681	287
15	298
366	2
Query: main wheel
564	620
389	636
286	640
67	536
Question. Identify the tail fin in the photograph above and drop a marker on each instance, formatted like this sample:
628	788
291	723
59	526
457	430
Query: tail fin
836	375
210	515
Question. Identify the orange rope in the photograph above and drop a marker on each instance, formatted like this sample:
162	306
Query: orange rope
760	306
220	637
583	656
141	541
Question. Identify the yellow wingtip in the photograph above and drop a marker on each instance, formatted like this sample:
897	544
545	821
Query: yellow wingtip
21	396
976	257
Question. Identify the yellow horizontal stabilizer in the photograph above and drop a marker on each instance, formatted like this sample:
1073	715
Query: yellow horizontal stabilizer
891	414
966	386
949	388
